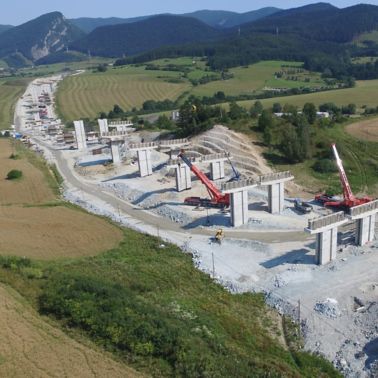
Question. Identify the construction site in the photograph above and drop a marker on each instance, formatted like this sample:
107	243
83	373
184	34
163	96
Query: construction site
216	197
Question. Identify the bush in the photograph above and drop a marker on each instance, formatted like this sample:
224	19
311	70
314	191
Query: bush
14	174
324	166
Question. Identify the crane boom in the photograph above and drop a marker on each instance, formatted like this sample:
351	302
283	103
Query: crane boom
347	191
349	200
217	197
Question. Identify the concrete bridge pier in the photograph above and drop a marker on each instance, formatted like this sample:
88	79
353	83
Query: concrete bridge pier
325	229
238	192
365	216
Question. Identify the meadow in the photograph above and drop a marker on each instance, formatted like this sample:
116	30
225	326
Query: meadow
10	90
86	95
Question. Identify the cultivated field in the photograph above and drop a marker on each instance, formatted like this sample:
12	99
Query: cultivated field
364	93
248	80
88	94
30	226
10	91
31	347
365	130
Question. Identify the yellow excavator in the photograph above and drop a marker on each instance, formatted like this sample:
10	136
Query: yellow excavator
219	236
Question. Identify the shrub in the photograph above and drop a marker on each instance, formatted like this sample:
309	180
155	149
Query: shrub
14	174
324	166
14	157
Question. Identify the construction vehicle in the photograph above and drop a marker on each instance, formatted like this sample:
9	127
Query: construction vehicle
302	207
219	236
349	199
217	199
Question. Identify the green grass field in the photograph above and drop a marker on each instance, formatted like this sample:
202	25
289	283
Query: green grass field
364	93
10	91
151	307
86	95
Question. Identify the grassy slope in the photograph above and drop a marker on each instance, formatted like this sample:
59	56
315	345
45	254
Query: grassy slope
86	95
363	94
10	91
168	301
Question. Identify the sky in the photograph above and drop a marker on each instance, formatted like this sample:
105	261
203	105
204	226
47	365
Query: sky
15	12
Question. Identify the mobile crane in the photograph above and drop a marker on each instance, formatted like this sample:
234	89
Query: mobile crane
349	199
217	199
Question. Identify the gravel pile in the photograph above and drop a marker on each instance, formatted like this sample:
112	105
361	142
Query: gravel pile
329	308
149	202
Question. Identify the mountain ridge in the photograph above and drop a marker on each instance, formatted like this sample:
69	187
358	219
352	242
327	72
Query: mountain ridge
215	18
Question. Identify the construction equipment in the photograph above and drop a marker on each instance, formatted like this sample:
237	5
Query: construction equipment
349	199
219	236
217	199
302	207
237	174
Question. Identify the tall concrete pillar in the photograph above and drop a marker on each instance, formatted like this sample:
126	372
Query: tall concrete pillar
276	190
365	216
239	208
217	170
325	229
183	178
103	124
326	246
144	162
238	192
365	230
276	198
114	148
81	139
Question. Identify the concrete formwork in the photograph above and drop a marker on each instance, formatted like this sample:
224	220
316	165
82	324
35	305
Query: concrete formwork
325	229
365	216
238	192
276	190
80	135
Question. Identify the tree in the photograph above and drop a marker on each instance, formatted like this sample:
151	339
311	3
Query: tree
349	109
277	108
236	111
163	122
256	109
102	68
309	110
265	120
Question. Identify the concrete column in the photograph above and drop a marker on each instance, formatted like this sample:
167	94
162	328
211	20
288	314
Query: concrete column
103	124
144	162
326	246
80	135
183	178
114	148
239	208
217	170
276	197
365	230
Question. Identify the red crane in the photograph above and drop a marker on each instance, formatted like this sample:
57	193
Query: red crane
217	198
349	199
